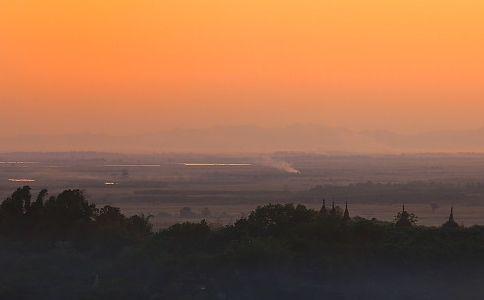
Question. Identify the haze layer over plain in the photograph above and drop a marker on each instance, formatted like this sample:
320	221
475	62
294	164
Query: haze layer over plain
124	67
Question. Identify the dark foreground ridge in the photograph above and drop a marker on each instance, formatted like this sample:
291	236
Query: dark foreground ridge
64	247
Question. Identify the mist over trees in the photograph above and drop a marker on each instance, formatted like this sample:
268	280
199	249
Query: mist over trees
65	247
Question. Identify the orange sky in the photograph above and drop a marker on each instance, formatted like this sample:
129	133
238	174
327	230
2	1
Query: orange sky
129	66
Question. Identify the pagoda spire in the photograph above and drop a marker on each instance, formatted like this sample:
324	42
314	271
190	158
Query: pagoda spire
323	211
404	218
333	210
346	215
451	217
451	222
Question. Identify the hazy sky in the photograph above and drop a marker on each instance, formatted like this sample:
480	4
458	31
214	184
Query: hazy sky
128	66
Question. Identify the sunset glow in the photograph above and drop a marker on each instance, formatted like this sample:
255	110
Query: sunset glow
122	67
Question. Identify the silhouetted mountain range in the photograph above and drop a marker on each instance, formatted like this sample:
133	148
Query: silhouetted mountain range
249	138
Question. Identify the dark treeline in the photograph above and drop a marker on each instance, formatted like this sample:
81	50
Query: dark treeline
64	247
67	216
409	192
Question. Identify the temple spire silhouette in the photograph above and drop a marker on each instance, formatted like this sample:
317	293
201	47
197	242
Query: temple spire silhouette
451	217
323	211
346	215
451	222
333	210
403	219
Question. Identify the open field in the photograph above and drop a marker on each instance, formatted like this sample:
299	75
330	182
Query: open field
231	186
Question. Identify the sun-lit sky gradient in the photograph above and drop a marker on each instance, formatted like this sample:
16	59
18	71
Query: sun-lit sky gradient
131	66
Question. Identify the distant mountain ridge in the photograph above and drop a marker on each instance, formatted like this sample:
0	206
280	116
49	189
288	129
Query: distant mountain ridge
250	138
442	140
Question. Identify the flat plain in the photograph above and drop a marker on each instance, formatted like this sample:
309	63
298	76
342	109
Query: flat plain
222	188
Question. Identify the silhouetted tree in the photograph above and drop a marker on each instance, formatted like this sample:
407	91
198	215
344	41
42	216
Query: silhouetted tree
139	225
70	206
18	203
275	218
13	210
36	215
186	212
186	237
405	219
281	214
110	216
69	214
39	201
